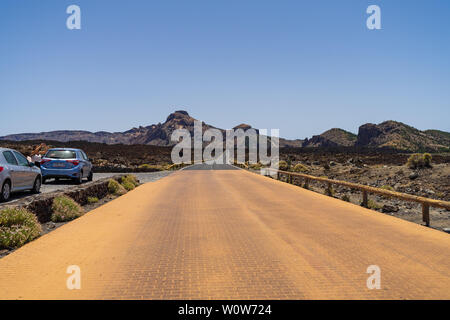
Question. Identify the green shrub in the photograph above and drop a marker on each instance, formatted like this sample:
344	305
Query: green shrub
345	198
92	200
131	179
65	209
427	160
386	187
128	185
300	168
418	160
373	205
17	227
414	161
116	188
283	165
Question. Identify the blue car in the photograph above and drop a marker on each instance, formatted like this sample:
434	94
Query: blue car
63	163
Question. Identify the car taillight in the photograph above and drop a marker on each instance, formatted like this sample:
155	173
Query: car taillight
74	162
44	161
1	169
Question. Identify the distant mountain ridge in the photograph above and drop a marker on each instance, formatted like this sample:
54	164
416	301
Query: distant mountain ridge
331	138
397	135
388	134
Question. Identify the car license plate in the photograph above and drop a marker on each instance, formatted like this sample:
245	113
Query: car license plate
59	165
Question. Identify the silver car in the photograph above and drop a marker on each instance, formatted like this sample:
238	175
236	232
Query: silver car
17	174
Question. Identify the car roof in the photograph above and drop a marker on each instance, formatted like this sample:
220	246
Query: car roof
7	149
63	149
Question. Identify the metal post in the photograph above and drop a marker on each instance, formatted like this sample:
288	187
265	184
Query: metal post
306	186
426	214
290	179
365	202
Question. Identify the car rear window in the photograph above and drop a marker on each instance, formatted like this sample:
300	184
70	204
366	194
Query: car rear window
9	157
61	154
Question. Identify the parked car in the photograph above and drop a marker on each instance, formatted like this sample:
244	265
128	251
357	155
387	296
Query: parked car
17	174
64	163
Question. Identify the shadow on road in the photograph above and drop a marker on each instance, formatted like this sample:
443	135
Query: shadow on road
60	182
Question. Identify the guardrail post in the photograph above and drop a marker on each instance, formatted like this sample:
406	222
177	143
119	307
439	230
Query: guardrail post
365	202
426	214
329	190
306	186
290	179
278	176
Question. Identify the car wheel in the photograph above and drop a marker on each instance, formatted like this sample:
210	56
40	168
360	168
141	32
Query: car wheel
79	180
6	192
37	185
91	176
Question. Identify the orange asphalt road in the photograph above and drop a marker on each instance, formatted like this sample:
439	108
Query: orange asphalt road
230	235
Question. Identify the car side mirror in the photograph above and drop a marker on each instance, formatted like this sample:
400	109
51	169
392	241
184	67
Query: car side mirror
31	164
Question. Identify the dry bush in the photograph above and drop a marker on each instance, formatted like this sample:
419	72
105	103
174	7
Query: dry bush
17	227
116	188
65	209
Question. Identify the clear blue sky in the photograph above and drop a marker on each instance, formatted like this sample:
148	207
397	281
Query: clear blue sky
300	66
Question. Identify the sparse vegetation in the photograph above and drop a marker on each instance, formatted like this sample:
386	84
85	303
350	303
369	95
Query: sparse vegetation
130	178
65	209
386	187
371	204
283	165
17	227
116	188
129	182
256	166
92	200
151	167
128	185
418	160
345	198
427	159
300	168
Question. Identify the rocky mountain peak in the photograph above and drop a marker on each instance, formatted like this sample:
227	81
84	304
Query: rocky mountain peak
334	137
243	126
366	133
179	114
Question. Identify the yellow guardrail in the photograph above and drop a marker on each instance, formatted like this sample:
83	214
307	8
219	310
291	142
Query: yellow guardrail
426	202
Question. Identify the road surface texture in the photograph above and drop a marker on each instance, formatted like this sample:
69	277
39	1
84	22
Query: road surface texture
53	185
230	234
